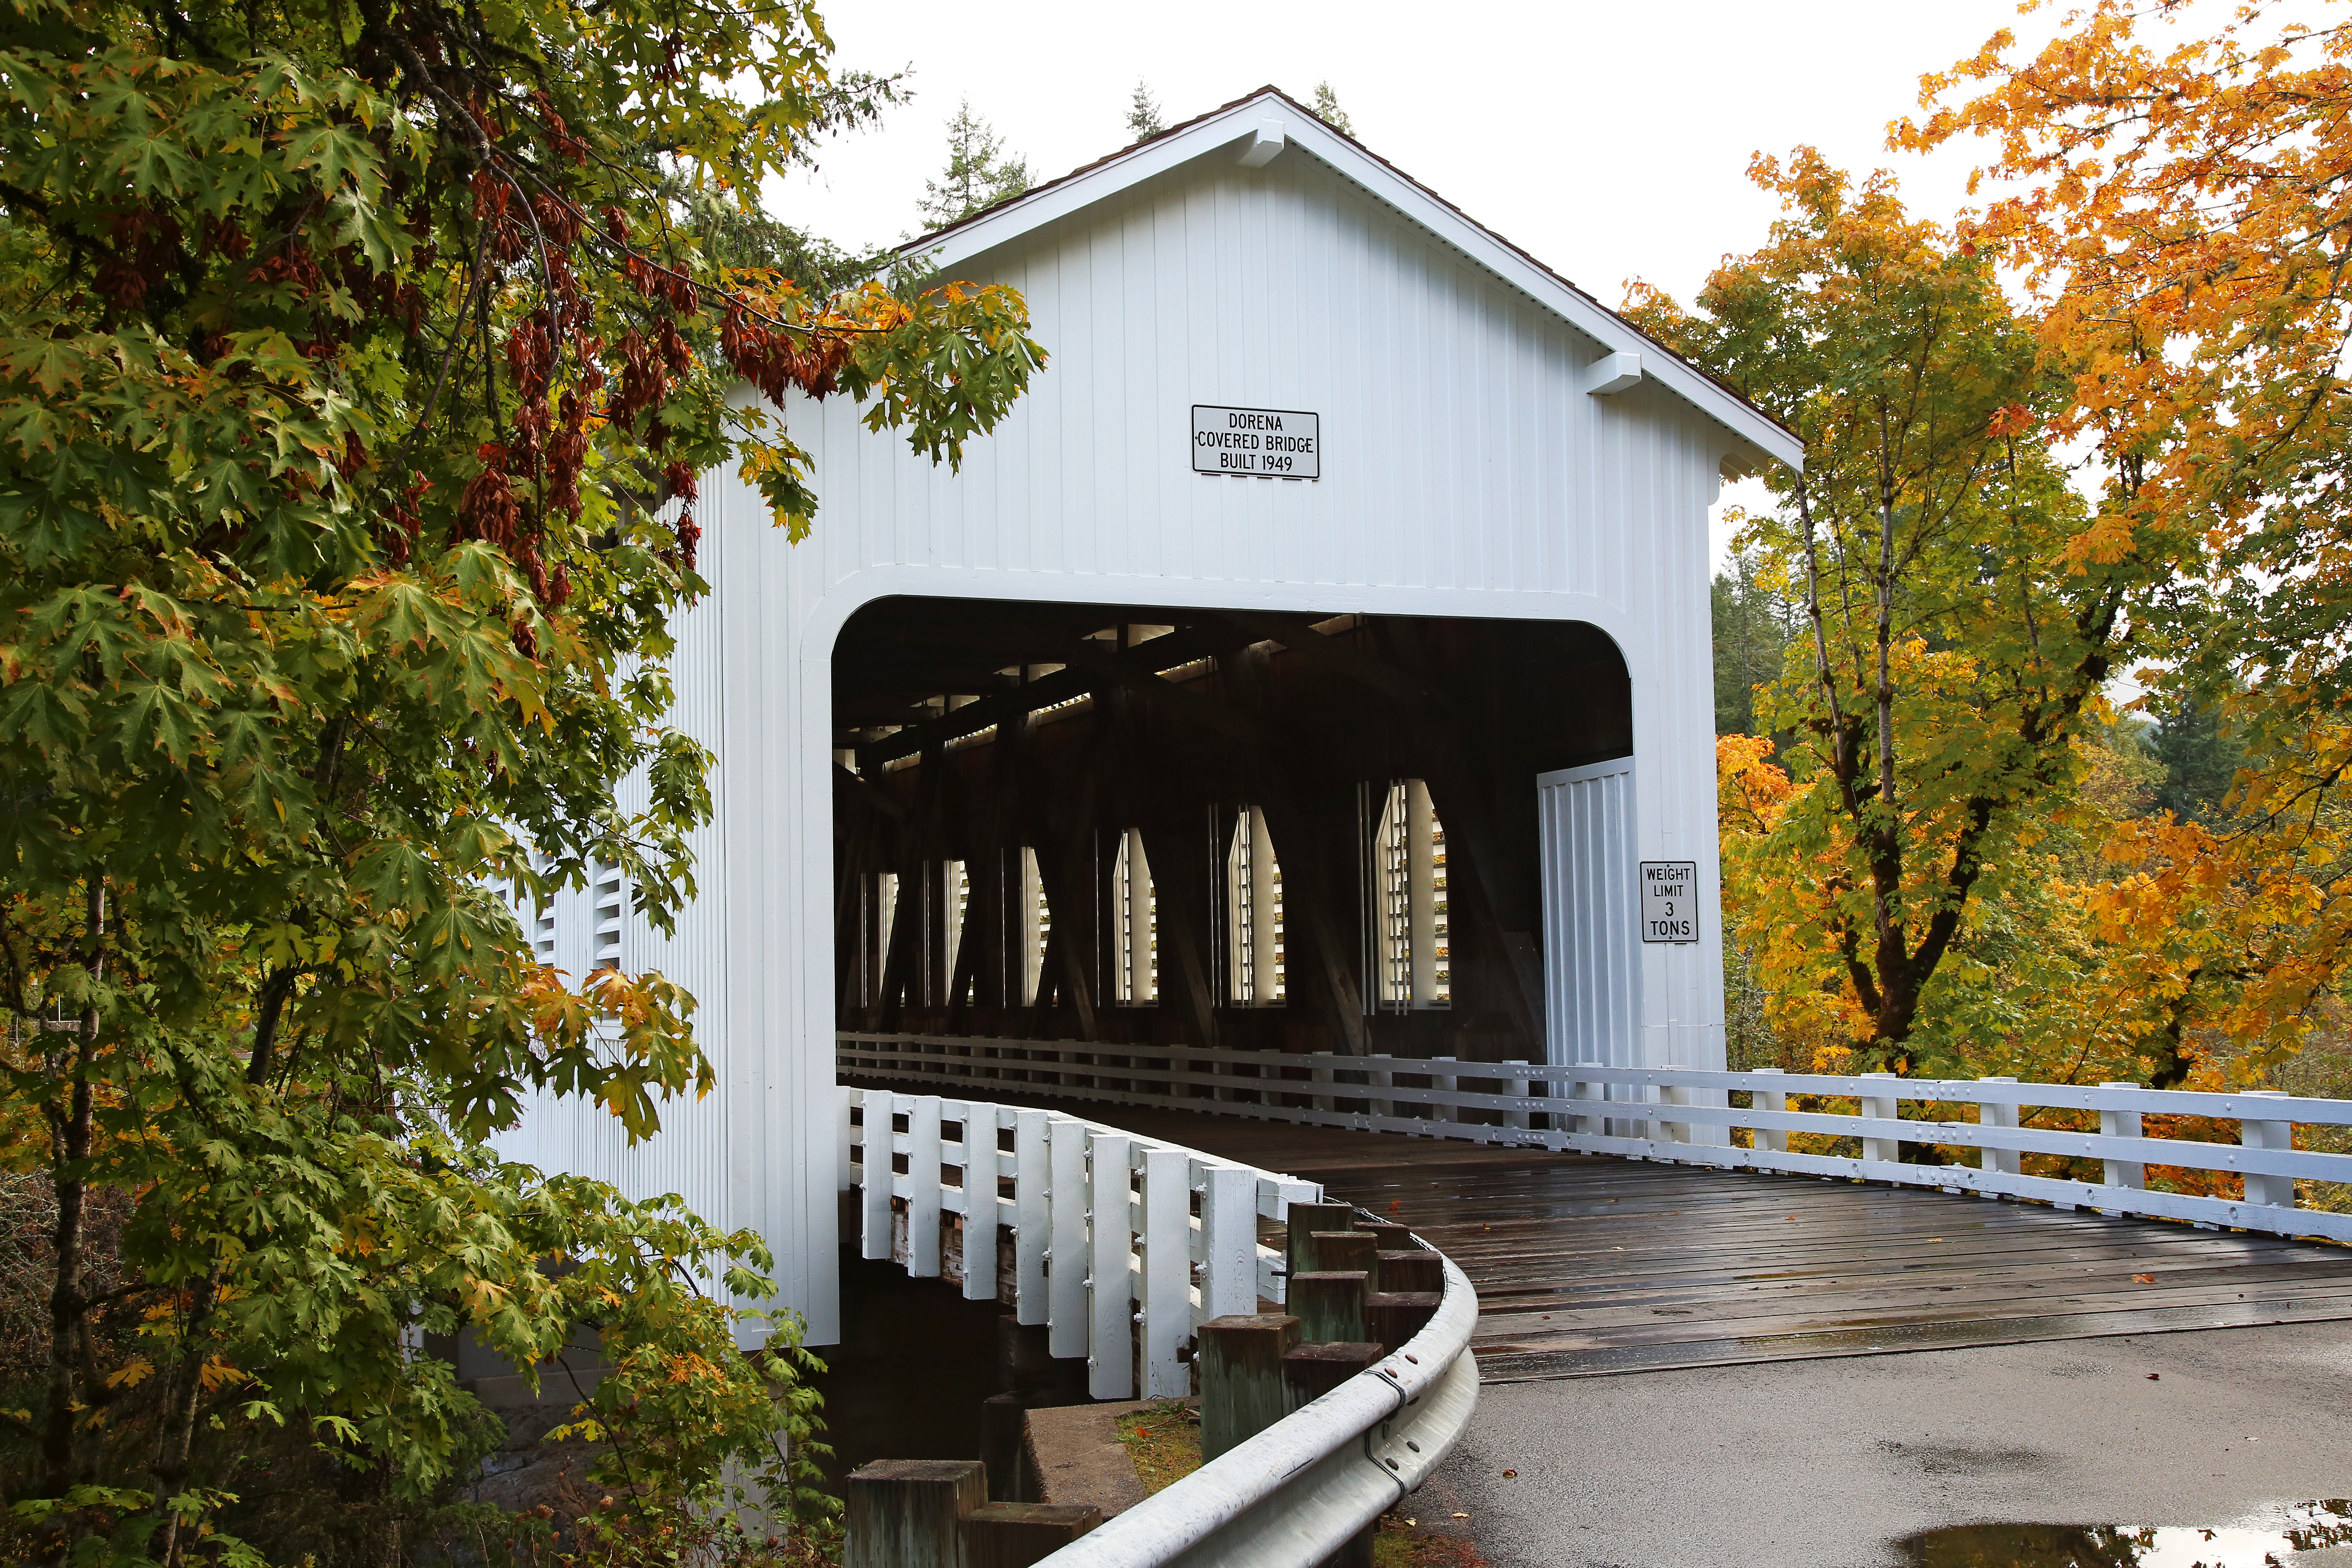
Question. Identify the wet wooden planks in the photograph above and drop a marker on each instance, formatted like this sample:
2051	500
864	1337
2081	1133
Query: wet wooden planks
1587	1266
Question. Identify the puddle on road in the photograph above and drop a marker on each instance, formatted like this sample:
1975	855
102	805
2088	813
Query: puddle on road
2274	1539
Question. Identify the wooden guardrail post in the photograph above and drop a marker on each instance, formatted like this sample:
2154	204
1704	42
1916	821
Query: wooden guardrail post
1305	1219
1016	1534
923	1186
1993	1113
2272	1192
1003	1435
1412	1270
1446	1083
1241	1377
909	1513
1673	1094
2121	1124
1349	1251
879	1140
1393	1236
1517	1086
1392	1317
1032	1215
1330	1306
1773	1140
1881	1108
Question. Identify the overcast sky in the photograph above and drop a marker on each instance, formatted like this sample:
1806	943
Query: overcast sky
1609	140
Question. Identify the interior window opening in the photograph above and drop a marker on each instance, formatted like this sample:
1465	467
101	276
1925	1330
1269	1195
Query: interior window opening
1414	967
1253	959
1036	927
1136	973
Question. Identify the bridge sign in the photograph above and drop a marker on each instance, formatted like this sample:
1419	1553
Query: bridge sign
1256	443
1669	900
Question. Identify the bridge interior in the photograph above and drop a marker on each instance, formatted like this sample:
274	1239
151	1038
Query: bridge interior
1240	830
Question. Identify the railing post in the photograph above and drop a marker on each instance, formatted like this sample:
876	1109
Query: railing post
1066	1263
1773	1140
2121	1124
1321	1075
1229	1242
1519	1087
1578	1122
1329	1305
1032	1224
1110	1351
874	1205
980	1160
1382	1077
1349	1251
2271	1192
1446	1083
1882	1108
1299	1254
1167	1244
1994	1114
923	1188
1674	1094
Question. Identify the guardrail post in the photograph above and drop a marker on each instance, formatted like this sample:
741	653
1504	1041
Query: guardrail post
1393	1236
1166	1245
1382	1077
1016	1534
1067	1261
1330	1306
1412	1271
1993	1113
1228	1241
1447	1083
1392	1317
2121	1124
1110	1348
1881	1108
1004	1433
1032	1224
1321	1075
923	1188
1349	1251
909	1513
1773	1140
1306	1220
875	1206
2271	1192
1241	1377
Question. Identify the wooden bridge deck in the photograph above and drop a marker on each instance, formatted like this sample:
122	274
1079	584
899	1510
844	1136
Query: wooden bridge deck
1587	1266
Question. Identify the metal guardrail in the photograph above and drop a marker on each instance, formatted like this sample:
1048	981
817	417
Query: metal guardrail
1683	1115
1296	1492
1187	1252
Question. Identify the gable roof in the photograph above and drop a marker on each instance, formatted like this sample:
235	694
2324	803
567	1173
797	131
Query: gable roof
1271	110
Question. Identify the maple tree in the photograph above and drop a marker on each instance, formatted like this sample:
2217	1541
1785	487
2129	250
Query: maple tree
2178	204
1943	668
358	363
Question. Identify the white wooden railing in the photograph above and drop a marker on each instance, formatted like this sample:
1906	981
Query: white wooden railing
1683	1115
1183	1249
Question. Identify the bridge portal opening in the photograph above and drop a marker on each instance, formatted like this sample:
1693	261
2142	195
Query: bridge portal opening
1170	828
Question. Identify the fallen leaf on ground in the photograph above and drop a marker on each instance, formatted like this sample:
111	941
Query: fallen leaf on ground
1511	1474
2143	1279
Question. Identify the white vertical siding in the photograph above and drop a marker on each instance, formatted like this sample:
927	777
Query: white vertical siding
1466	473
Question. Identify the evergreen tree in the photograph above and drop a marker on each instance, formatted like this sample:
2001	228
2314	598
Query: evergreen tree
2200	758
1754	623
1143	121
979	173
1326	109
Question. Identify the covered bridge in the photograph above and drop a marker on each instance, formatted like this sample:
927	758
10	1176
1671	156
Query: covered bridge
1317	659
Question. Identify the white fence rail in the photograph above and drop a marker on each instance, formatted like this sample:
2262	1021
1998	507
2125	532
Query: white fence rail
1121	1245
1684	1115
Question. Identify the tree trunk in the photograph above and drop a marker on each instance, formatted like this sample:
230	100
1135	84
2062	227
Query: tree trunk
70	1146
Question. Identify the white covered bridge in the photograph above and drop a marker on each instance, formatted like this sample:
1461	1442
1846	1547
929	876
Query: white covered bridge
1299	710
